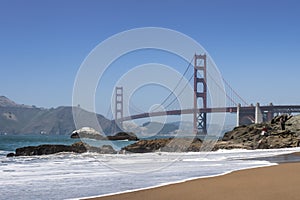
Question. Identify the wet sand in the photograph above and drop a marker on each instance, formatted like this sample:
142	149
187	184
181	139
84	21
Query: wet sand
267	183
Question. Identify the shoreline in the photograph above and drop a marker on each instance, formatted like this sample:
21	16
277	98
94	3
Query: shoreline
185	189
100	197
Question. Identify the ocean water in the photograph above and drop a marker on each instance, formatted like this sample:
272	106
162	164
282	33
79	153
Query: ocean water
71	176
11	142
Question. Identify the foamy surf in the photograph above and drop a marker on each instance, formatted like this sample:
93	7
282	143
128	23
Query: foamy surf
69	176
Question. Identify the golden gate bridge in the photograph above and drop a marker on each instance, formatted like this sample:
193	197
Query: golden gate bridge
246	113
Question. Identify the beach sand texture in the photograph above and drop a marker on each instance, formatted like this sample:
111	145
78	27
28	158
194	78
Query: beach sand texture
267	183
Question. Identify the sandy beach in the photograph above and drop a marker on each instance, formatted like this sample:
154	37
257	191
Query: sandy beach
267	183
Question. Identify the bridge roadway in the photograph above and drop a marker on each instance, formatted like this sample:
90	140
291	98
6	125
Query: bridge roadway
274	109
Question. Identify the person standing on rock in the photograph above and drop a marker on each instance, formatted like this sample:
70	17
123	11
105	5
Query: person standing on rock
264	131
282	123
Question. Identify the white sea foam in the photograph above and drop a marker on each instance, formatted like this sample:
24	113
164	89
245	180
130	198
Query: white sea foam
68	175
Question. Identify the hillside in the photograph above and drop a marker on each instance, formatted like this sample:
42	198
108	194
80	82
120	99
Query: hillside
6	102
22	119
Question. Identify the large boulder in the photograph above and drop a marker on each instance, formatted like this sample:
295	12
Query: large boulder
124	136
78	147
87	132
42	150
164	145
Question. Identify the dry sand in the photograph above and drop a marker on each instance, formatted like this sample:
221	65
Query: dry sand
275	182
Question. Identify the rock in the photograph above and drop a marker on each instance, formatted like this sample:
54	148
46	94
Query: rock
10	155
165	145
78	147
123	136
107	149
249	137
45	150
75	135
230	145
83	147
263	144
87	132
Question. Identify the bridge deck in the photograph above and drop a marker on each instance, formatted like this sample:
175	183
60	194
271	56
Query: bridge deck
282	109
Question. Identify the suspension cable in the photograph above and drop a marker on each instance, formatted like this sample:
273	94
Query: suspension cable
179	92
235	93
172	92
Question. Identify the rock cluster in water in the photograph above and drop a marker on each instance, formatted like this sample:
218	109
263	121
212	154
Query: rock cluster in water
241	137
87	132
47	149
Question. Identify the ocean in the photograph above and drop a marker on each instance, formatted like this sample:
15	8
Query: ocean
72	176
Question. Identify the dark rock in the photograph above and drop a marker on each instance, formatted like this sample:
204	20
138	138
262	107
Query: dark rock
43	150
10	155
124	136
75	135
78	147
165	145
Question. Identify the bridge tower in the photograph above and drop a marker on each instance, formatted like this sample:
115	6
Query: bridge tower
200	93
118	106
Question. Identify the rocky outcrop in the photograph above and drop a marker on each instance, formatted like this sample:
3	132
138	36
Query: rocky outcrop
253	137
124	136
166	145
47	149
87	132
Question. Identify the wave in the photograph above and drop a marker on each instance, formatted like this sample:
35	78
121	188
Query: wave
118	173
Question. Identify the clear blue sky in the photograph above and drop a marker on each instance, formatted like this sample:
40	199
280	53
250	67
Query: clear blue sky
255	44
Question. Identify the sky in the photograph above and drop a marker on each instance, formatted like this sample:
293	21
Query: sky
255	44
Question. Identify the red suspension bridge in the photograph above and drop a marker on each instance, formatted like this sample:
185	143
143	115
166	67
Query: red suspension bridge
246	113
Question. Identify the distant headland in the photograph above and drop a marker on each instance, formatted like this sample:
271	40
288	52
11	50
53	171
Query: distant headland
23	119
